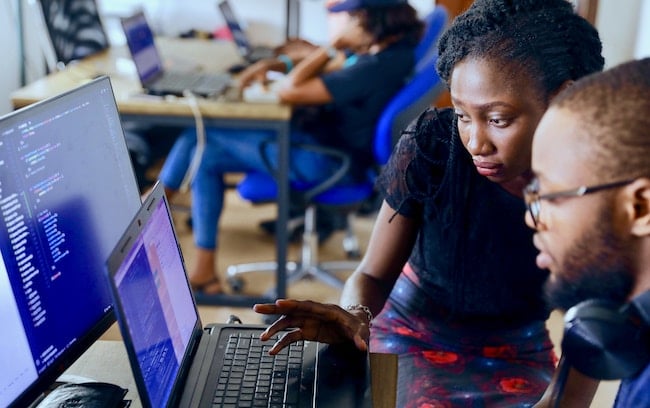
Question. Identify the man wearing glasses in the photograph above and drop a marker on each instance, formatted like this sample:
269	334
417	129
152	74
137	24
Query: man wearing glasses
590	206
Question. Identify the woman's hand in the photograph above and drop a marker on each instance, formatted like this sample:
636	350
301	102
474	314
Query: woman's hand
297	49
255	73
307	320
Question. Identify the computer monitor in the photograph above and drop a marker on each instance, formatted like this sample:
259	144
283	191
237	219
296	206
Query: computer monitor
67	192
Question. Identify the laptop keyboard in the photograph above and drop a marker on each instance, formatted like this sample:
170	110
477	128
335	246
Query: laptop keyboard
194	81
252	378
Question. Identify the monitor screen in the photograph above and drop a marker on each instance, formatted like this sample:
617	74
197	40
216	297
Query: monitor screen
140	40
67	192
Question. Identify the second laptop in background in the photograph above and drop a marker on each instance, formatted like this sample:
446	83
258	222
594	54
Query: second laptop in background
251	53
149	65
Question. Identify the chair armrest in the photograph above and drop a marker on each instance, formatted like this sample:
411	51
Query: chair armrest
308	194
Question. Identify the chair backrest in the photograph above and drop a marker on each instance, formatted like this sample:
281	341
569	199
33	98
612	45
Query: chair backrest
434	24
74	27
419	93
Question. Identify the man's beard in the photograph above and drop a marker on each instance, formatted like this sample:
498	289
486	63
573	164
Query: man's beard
596	267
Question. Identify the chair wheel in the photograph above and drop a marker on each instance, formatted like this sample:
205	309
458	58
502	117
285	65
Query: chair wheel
268	319
354	254
236	284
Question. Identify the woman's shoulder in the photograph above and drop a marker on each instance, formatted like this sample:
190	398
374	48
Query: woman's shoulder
436	122
418	164
431	133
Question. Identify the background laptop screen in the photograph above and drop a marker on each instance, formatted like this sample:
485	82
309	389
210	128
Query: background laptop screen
67	191
236	31
160	323
140	41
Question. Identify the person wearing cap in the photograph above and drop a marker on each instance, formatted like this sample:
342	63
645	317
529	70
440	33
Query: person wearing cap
336	104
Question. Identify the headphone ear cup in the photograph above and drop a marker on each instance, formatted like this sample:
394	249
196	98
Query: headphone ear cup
604	343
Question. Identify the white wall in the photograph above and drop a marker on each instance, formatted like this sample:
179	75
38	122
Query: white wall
643	38
624	26
9	40
617	22
264	19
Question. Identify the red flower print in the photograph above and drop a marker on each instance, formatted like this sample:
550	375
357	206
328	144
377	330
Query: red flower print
424	402
440	357
403	331
499	352
515	385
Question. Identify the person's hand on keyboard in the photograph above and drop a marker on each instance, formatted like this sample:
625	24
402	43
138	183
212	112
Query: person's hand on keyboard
258	72
307	320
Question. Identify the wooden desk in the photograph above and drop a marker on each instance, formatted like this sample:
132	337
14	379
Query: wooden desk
107	361
223	111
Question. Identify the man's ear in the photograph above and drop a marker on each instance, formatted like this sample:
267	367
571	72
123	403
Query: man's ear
639	207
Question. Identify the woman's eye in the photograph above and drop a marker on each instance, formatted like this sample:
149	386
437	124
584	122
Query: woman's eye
462	117
499	122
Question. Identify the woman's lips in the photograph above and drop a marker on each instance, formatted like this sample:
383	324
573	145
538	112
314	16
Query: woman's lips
487	168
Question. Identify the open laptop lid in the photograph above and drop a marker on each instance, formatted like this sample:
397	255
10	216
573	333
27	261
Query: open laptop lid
155	308
145	55
239	36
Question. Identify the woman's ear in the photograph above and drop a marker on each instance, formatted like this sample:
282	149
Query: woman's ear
639	207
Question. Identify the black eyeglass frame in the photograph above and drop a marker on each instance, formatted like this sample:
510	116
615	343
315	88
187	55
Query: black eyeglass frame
533	198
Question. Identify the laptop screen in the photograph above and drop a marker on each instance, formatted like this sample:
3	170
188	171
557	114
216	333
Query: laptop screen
154	300
67	191
238	35
140	41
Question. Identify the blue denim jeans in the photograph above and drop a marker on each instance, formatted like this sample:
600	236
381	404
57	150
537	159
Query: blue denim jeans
227	151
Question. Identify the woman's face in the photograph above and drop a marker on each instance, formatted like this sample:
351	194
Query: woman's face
498	112
353	36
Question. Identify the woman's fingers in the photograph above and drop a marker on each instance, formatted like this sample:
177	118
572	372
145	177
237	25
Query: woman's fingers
283	323
312	321
285	340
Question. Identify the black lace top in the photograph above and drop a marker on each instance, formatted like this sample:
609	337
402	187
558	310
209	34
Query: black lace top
474	254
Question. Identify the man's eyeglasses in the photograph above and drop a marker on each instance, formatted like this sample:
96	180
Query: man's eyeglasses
533	198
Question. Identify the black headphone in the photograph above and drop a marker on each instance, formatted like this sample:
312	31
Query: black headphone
607	341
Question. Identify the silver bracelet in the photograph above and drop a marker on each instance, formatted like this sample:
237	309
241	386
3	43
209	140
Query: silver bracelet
363	308
332	52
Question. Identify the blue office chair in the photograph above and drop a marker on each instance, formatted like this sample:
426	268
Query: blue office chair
420	92
434	23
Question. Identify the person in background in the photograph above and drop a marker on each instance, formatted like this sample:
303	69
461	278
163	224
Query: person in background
335	105
589	205
450	268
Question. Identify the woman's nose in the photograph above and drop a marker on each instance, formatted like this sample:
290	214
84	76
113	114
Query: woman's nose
477	141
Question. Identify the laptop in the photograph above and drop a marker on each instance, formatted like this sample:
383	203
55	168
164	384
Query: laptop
251	53
154	78
178	362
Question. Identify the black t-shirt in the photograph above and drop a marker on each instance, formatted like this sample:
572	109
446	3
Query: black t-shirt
474	254
359	92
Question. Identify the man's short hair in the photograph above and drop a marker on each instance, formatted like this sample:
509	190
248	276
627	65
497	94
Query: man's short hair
613	109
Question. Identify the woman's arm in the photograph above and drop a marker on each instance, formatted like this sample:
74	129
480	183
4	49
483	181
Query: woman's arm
303	85
388	250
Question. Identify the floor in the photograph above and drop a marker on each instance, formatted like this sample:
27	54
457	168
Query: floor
243	241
